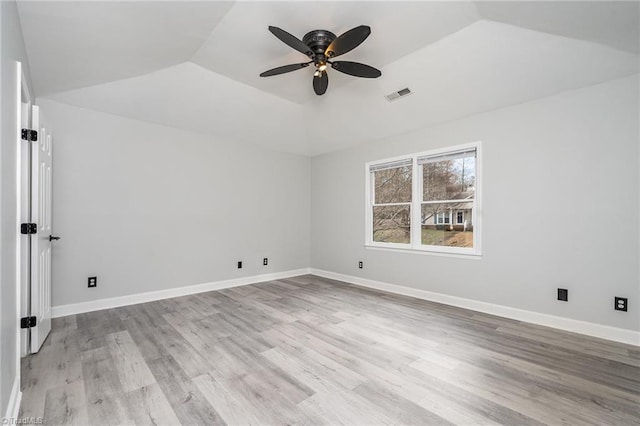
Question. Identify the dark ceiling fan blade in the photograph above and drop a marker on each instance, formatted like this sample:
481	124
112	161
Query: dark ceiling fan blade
291	41
348	41
356	69
284	69
321	83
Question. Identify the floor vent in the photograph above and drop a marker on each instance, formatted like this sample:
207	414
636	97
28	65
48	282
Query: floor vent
397	95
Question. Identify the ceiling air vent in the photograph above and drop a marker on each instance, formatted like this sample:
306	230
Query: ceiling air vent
397	95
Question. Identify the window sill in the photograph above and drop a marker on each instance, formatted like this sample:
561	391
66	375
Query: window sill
472	256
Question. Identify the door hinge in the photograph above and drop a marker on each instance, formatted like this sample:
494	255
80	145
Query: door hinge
28	228
29	135
27	322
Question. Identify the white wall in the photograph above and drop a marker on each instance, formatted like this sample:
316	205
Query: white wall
12	50
145	207
560	189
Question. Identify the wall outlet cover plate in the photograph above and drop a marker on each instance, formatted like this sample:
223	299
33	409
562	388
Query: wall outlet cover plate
621	304
563	294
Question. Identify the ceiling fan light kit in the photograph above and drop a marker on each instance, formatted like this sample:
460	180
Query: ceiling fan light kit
321	46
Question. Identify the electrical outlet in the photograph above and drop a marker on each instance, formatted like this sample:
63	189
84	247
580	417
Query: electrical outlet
92	282
239	264
563	294
360	265
620	304
265	261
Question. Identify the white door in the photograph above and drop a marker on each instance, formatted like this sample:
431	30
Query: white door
41	169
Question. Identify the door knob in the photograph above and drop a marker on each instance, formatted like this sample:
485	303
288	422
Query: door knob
51	238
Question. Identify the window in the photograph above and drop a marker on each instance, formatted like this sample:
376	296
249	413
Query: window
442	218
426	201
392	202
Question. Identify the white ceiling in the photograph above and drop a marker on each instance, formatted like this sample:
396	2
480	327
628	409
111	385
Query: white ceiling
195	65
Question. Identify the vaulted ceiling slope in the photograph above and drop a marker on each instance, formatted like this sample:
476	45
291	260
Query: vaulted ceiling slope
196	65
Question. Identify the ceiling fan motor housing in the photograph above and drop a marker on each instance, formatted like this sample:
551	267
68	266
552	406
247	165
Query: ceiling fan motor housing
318	40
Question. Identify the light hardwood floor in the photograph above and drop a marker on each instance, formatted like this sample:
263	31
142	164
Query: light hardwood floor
308	350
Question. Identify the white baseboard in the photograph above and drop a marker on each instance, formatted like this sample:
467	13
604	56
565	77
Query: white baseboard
13	407
132	299
588	328
583	327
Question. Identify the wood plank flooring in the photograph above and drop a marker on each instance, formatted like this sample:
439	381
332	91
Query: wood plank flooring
308	350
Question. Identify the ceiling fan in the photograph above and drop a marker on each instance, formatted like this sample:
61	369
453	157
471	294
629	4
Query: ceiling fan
321	46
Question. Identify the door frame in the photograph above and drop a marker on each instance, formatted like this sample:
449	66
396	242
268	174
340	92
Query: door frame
24	104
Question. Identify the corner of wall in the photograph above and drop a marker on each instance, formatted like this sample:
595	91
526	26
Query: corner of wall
13	407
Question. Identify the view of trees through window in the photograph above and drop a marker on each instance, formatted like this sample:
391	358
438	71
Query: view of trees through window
392	205
447	188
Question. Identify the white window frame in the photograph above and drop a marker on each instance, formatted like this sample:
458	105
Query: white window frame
416	206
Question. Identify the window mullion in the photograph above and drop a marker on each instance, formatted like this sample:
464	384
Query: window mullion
416	196
454	201
391	204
